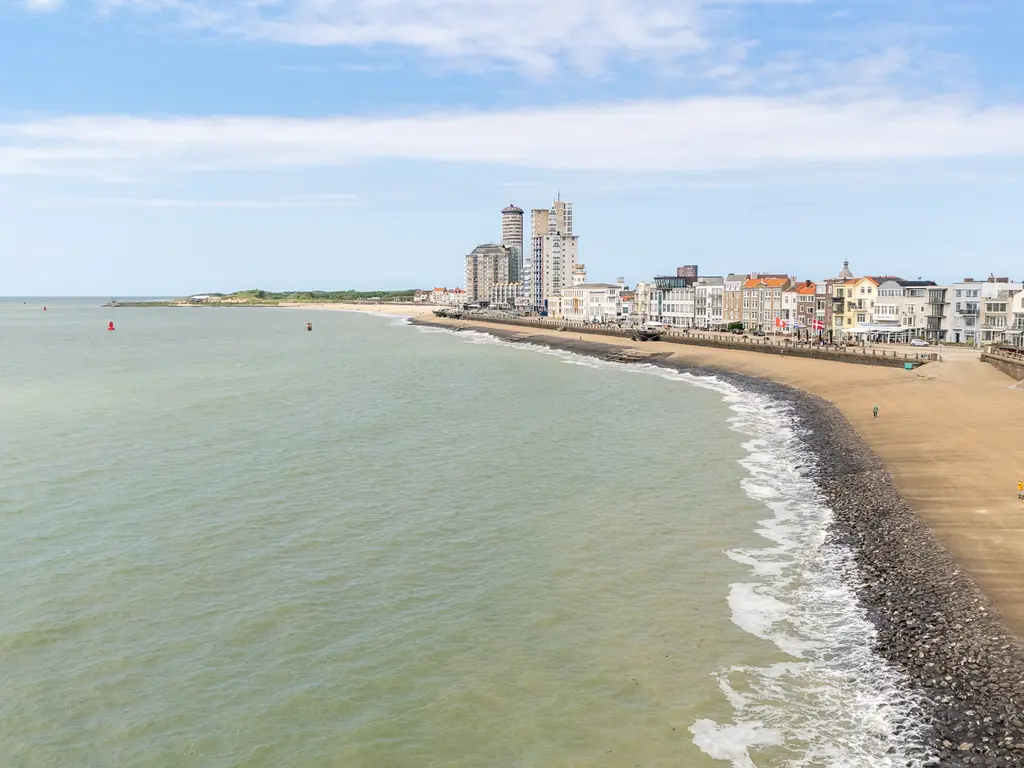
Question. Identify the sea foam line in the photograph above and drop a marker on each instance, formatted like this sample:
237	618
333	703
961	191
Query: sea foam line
833	701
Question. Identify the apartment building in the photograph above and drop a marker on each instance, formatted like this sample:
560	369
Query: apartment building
506	295
486	266
732	298
762	301
709	303
1015	320
554	253
593	302
799	304
978	310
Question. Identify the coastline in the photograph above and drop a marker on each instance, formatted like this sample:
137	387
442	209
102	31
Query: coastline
933	620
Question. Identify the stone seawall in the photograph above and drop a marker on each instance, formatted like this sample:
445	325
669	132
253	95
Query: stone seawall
858	356
1008	365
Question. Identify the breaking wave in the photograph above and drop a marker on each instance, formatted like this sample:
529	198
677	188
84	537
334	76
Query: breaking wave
830	700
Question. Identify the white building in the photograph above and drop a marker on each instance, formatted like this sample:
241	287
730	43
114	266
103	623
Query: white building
642	300
554	254
901	310
1015	320
447	297
579	274
977	310
505	295
709	303
593	302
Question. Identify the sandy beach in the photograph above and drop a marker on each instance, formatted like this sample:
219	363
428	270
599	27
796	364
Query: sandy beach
948	433
401	310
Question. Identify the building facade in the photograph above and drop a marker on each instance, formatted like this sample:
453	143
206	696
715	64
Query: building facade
512	238
554	253
593	303
505	295
486	266
762	302
690	270
709	303
732	299
1015	320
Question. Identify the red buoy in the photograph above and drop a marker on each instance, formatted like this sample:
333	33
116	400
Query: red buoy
110	327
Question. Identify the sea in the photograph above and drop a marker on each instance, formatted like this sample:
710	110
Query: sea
229	541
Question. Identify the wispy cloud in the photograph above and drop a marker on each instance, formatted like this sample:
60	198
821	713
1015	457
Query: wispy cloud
43	6
537	36
684	135
296	201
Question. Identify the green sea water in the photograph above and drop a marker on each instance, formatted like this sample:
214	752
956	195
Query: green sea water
228	541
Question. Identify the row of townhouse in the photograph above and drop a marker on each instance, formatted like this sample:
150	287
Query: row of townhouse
974	312
449	297
872	307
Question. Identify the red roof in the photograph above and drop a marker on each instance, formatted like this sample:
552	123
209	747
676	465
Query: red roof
770	282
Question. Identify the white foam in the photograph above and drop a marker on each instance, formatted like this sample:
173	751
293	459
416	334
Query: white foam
731	742
836	703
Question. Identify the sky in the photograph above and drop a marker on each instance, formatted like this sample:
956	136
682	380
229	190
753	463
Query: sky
165	147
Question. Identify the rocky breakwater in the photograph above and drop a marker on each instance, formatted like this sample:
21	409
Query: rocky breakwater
932	620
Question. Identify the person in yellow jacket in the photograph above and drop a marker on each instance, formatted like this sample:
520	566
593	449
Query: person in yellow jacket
1020	489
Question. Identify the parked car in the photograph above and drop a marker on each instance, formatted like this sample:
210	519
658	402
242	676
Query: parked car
737	331
759	333
918	343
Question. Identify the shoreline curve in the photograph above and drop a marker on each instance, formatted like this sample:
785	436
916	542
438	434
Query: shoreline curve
933	620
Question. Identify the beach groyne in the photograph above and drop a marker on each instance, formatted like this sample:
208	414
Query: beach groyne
932	620
857	355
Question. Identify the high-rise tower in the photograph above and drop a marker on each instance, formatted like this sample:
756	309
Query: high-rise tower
553	254
512	238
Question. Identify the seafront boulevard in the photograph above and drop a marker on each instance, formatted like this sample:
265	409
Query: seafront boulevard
925	495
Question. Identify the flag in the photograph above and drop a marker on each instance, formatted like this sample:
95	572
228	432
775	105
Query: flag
818	325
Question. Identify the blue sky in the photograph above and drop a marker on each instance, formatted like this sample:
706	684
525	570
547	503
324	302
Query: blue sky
173	146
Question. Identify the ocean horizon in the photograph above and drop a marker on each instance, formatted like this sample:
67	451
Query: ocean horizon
235	542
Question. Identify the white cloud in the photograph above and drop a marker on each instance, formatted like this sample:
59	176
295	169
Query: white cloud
43	6
687	135
297	201
533	35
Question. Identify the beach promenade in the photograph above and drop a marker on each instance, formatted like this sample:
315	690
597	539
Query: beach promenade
949	433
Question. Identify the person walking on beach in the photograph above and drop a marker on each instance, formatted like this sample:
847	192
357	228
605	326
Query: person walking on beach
1020	489
875	411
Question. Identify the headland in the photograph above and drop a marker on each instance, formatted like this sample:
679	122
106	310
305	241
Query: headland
925	496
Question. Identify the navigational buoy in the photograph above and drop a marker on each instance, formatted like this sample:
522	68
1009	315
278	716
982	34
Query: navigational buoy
110	325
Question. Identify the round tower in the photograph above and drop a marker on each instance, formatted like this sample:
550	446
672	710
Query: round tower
512	227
